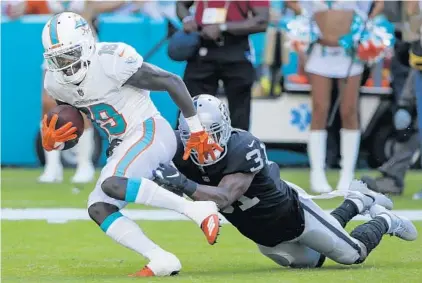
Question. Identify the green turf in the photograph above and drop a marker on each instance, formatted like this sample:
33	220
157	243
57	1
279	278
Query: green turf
20	189
78	251
34	251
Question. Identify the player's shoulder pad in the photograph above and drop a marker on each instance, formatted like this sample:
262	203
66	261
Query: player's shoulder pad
118	60
52	86
245	153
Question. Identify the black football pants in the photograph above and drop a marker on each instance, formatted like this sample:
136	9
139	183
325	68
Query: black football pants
202	76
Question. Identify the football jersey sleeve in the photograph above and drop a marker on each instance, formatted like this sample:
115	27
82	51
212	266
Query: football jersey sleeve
119	61
246	154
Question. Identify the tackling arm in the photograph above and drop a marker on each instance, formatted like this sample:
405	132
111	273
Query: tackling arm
230	189
153	78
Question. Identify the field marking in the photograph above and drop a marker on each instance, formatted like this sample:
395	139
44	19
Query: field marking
62	215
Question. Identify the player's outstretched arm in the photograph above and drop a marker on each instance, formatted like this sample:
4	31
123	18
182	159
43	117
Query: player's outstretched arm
153	78
230	188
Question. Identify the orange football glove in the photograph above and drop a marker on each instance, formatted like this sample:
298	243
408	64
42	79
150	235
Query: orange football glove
51	136
203	144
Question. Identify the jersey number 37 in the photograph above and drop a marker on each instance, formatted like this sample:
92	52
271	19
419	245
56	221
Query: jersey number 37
256	156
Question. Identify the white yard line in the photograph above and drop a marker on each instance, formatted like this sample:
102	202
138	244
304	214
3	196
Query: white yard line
61	215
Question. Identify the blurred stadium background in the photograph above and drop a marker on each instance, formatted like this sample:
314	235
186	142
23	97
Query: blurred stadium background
34	251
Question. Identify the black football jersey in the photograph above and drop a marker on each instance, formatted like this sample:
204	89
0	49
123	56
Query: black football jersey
269	212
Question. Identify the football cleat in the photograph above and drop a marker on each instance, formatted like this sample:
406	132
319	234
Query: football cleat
162	264
211	227
400	226
358	191
205	214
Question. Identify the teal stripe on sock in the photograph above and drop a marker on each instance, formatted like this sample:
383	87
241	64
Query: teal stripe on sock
132	189
109	220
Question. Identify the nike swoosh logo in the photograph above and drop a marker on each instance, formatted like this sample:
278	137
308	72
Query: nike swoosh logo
121	53
251	145
174	175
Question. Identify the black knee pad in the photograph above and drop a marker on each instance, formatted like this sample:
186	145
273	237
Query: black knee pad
115	187
100	211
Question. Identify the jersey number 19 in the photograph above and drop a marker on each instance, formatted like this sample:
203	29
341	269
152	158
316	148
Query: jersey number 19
111	121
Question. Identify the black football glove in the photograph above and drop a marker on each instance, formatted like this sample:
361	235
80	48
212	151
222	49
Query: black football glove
168	177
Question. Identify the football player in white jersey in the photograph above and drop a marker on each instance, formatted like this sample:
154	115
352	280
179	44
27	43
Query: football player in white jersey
110	83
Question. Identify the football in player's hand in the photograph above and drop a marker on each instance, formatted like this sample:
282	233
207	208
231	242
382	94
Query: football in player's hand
68	113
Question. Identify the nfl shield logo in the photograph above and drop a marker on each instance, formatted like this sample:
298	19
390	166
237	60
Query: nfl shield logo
80	92
206	179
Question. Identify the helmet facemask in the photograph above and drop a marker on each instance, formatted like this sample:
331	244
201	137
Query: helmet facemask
69	64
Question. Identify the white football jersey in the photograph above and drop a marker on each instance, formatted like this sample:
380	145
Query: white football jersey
116	108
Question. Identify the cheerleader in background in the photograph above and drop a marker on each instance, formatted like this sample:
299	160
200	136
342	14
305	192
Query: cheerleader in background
328	59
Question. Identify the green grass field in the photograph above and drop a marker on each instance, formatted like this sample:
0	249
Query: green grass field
78	251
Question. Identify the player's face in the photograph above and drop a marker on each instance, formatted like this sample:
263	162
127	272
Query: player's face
68	62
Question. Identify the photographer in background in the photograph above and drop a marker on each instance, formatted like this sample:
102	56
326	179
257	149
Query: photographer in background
224	52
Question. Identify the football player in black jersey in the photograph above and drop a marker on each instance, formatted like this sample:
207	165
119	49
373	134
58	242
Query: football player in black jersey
285	223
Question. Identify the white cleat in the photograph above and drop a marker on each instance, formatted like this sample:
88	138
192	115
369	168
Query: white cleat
84	174
205	214
52	174
163	264
400	226
319	184
358	191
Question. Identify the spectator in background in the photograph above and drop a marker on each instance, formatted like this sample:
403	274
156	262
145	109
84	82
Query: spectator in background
327	60
225	53
393	171
53	170
414	10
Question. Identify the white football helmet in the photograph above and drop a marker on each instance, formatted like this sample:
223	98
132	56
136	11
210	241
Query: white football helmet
215	118
68	45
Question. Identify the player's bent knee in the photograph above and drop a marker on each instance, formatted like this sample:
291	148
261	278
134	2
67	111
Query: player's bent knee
280	260
99	211
115	187
347	257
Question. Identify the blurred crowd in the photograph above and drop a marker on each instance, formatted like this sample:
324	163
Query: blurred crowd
217	49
